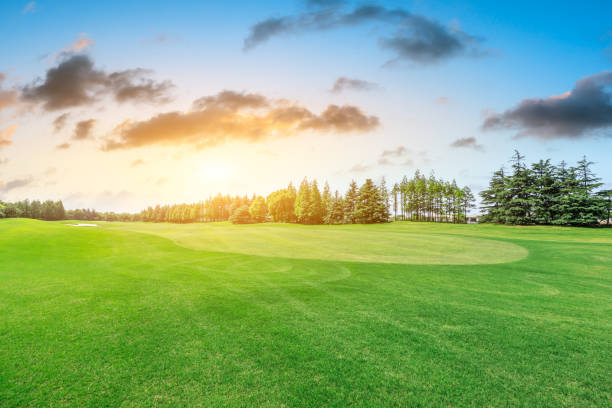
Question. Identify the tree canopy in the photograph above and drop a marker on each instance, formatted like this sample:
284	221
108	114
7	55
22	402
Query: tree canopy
545	194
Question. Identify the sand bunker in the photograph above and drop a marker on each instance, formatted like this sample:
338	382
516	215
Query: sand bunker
82	225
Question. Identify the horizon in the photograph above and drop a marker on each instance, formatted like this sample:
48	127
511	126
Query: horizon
176	103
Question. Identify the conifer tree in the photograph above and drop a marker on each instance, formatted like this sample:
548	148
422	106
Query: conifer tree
384	205
518	210
303	203
317	212
494	199
350	203
335	215
326	198
368	203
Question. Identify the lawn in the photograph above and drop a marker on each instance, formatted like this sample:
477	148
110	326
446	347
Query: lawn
401	314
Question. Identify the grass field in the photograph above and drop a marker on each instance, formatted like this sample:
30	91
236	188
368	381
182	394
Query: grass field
402	314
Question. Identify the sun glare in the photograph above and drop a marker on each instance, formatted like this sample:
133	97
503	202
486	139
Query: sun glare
214	172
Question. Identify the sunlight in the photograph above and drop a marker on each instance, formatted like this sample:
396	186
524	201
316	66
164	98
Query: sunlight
214	171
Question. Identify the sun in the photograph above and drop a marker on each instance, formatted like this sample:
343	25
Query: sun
215	172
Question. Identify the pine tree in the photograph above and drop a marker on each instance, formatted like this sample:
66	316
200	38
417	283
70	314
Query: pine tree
542	191
384	205
335	215
590	208
303	203
518	209
395	191
317	212
326	199
368	203
468	202
606	196
494	199
350	203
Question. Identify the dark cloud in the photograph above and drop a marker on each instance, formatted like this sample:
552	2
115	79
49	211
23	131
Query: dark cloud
60	122
6	186
83	129
467	142
344	83
133	85
231	116
426	41
584	111
414	38
63	146
75	82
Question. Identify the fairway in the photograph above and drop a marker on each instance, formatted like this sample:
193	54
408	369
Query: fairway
398	314
372	243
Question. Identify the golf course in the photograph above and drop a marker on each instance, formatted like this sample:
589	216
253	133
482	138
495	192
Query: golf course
398	314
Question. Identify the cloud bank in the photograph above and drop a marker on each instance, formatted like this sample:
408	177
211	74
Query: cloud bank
584	111
230	115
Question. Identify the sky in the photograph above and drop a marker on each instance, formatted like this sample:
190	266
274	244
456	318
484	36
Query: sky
118	105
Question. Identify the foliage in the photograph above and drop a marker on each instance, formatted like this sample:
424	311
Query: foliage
47	210
242	215
258	209
544	194
431	199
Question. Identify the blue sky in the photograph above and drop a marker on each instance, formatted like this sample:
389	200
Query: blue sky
525	50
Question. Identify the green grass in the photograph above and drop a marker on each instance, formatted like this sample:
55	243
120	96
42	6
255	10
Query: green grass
284	315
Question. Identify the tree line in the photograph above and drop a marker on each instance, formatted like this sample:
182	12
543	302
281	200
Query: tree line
545	194
46	210
541	193
418	198
431	199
